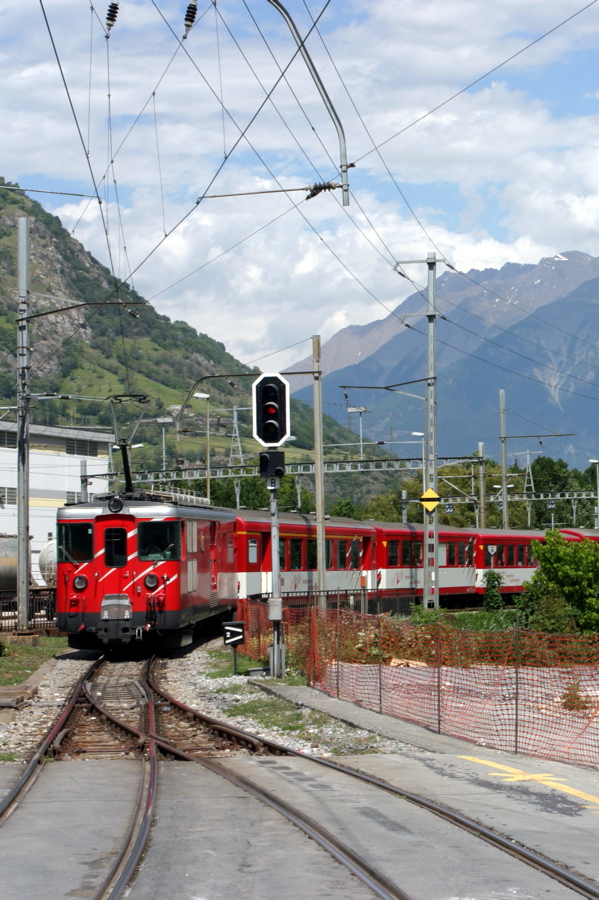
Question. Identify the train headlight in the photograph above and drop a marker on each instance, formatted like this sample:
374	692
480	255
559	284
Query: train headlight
79	582
151	581
115	504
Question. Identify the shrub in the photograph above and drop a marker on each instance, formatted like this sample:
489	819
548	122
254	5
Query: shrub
492	599
552	615
574	699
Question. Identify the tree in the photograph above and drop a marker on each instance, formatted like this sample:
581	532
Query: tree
568	574
345	509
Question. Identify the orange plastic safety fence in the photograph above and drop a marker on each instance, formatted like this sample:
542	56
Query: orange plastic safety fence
516	690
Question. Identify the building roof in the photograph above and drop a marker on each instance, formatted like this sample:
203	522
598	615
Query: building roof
80	434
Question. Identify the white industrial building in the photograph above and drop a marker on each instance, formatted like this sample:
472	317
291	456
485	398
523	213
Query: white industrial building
58	457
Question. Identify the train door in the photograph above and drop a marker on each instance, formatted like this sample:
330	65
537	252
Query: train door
116	545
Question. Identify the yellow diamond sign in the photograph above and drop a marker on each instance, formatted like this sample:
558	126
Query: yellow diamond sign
430	500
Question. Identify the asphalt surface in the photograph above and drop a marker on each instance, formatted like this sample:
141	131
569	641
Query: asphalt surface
211	841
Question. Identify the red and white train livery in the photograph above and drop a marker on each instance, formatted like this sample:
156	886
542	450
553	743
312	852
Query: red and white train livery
138	564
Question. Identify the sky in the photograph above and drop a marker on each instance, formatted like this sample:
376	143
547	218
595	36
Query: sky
473	136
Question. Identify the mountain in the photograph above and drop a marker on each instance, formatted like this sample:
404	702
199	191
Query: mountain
532	330
97	350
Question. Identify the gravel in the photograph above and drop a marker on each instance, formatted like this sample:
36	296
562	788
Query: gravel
188	680
21	737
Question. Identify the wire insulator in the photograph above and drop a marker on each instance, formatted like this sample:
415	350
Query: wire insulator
113	11
190	16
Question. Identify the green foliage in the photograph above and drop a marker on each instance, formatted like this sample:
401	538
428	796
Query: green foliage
492	598
552	615
574	699
568	574
345	509
465	620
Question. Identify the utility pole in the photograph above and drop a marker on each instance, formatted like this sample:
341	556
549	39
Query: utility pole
319	472
430	498
482	512
503	440
23	547
431	585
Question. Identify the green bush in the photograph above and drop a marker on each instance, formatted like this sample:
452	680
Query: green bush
492	599
574	699
552	615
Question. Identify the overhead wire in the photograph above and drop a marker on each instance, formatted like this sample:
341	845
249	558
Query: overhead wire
320	237
478	80
79	132
376	148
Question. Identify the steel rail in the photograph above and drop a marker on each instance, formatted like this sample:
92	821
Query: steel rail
513	848
148	815
140	824
508	845
377	882
242	737
36	763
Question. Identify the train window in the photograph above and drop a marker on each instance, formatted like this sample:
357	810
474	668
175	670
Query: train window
500	555
311	553
329	553
341	555
158	540
75	542
295	553
406	554
451	557
393	553
282	553
115	547
354	555
521	554
462	553
511	557
417	552
252	551
470	553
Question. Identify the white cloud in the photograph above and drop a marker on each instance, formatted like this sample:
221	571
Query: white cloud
499	174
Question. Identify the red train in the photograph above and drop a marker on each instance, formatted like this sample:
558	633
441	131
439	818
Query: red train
137	565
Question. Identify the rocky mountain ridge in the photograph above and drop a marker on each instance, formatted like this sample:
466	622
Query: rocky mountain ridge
532	330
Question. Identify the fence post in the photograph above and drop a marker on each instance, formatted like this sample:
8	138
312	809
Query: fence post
311	645
439	673
517	668
378	622
337	651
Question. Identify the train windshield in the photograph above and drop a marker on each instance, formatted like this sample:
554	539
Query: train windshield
159	540
75	542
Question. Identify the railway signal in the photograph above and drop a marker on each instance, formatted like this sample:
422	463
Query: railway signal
270	402
272	464
234	633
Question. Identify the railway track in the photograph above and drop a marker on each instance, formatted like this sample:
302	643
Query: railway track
120	711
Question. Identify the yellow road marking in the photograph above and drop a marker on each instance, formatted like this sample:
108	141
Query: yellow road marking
508	773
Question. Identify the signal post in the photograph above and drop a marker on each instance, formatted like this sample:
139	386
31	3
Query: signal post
270	402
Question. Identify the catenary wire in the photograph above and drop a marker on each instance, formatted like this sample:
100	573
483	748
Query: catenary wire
479	79
412	212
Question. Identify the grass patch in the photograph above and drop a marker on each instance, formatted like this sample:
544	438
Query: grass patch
222	661
273	712
18	661
8	757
